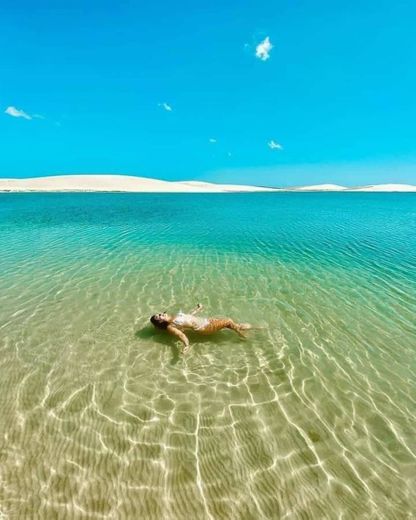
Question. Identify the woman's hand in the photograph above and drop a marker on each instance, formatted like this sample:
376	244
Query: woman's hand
198	308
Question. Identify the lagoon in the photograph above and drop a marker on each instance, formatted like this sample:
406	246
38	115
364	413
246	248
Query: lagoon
312	417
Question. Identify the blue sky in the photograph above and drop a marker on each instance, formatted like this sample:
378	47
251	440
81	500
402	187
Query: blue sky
336	90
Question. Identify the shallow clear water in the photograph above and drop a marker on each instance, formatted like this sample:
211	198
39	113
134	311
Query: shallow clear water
311	417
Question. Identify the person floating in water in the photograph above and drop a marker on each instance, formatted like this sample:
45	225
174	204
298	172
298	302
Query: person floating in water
176	324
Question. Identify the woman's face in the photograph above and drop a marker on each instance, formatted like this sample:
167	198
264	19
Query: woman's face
161	317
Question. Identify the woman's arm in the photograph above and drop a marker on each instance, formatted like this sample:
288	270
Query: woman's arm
180	336
197	309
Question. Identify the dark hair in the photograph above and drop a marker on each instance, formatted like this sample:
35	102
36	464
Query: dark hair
158	322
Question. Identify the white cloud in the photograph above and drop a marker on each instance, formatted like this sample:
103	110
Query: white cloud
274	146
166	107
212	140
263	49
15	112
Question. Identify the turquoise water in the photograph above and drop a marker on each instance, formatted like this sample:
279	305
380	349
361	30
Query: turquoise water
312	417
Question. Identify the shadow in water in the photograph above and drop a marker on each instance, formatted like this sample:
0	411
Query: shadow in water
148	332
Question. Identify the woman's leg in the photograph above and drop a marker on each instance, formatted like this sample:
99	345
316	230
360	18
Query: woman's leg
216	324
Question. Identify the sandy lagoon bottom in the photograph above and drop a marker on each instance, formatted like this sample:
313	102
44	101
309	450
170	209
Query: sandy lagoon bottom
312	417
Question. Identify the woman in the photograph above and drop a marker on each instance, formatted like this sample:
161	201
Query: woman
175	325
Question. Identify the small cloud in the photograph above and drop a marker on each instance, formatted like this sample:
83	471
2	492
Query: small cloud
212	140
263	49
15	112
274	146
166	107
38	116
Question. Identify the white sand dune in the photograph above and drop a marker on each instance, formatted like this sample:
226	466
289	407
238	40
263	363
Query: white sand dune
124	183
372	188
386	187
